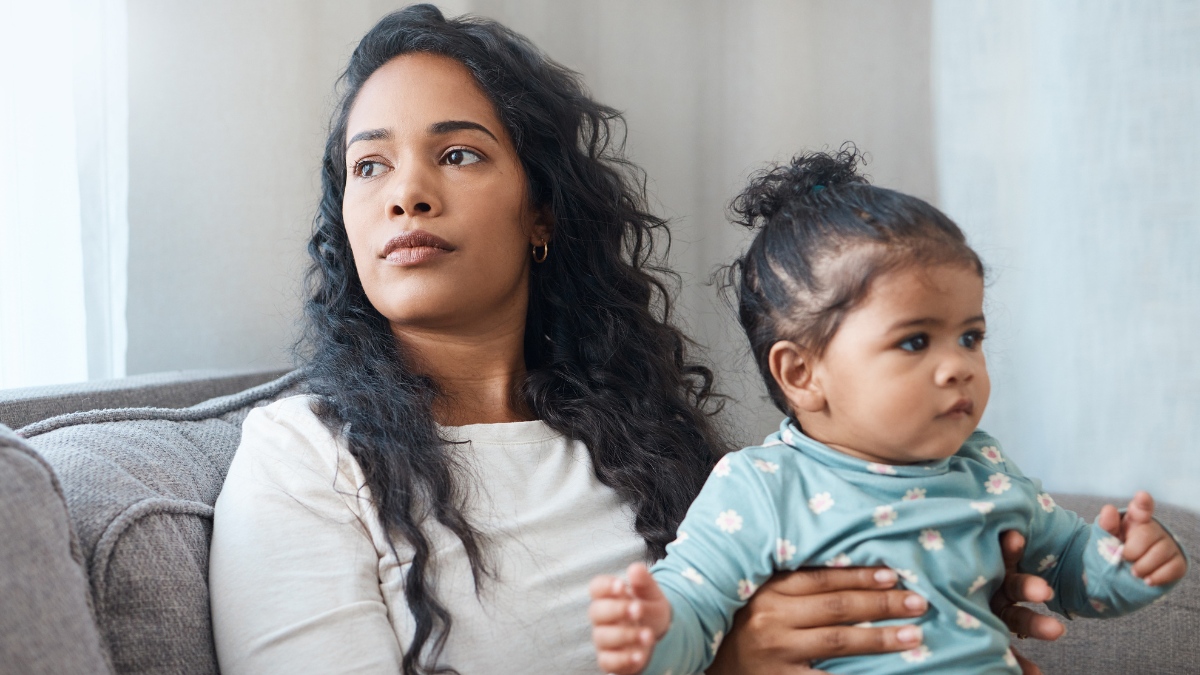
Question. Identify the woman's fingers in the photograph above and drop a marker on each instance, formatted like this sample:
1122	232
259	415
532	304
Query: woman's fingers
1027	667
1027	623
1012	547
833	641
1019	587
812	580
832	609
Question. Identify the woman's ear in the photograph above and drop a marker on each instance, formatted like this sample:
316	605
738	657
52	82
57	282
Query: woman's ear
792	369
542	230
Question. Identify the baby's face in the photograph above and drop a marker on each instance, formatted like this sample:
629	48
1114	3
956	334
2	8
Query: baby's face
904	378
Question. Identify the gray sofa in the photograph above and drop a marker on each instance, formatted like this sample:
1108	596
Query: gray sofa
106	497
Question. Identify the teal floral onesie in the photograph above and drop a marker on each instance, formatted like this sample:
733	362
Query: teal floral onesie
794	502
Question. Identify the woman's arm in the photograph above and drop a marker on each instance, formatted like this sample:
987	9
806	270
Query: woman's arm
809	614
293	570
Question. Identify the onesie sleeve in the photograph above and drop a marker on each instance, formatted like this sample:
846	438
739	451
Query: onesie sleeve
293	569
1082	563
726	548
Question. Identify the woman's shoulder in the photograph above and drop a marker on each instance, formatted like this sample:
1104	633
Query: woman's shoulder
289	442
294	416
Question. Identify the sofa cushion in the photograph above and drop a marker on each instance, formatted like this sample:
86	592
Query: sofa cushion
46	625
140	484
1159	639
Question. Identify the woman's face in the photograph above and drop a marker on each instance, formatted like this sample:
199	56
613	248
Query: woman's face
436	204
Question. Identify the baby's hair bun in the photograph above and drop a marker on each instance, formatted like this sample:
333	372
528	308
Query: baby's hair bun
809	179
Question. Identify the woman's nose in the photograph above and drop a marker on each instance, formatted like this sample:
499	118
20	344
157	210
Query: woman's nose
414	192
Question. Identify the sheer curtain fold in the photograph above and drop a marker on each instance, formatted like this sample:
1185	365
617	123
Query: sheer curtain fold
63	190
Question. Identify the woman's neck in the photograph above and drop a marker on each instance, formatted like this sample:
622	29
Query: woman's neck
478	372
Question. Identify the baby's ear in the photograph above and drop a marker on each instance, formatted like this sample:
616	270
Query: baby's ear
791	366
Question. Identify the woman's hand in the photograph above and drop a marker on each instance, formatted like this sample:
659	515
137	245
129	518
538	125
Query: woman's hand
1018	587
806	615
800	616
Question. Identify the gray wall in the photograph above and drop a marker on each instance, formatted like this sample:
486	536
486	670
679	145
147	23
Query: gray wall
229	101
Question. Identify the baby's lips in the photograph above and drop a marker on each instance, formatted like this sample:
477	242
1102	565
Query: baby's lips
963	405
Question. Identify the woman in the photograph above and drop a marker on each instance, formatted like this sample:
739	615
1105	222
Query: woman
500	408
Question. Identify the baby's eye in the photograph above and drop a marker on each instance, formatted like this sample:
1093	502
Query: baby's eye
461	157
915	343
366	168
971	339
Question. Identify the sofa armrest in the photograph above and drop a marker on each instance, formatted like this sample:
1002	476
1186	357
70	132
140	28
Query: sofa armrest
46	626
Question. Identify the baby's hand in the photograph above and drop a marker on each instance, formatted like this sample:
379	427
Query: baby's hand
627	620
1154	554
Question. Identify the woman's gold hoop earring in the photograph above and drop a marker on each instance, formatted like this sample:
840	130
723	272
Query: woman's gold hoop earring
540	257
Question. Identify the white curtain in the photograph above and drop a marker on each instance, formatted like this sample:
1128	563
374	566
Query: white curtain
1068	148
63	190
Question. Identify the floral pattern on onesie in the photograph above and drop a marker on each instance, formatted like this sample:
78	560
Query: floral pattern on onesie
794	502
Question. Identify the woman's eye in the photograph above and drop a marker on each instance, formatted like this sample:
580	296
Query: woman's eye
971	339
915	343
461	157
368	168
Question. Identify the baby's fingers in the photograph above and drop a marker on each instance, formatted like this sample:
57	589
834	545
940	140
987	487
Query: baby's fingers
642	584
622	661
609	611
1109	520
1157	555
618	638
606	586
1171	571
1140	510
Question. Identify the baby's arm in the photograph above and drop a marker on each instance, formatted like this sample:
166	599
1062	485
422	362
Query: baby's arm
627	620
728	545
1089	566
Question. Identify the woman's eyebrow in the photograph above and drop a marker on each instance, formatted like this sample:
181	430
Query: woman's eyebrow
369	135
458	125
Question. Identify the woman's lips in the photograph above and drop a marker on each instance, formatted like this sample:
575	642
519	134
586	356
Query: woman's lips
414	248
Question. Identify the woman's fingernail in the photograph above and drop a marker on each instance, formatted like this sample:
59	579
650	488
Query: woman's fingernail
915	602
909	634
885	576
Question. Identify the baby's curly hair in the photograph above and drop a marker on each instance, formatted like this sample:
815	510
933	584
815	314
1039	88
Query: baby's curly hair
824	235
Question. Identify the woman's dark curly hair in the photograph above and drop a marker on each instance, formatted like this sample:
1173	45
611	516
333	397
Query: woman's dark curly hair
824	234
604	363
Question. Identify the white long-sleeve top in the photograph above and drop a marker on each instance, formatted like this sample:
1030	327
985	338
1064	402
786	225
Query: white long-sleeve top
302	579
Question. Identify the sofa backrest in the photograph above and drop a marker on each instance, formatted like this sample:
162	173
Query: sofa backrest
175	389
140	484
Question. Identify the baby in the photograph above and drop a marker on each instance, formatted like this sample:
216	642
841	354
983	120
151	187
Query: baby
864	309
